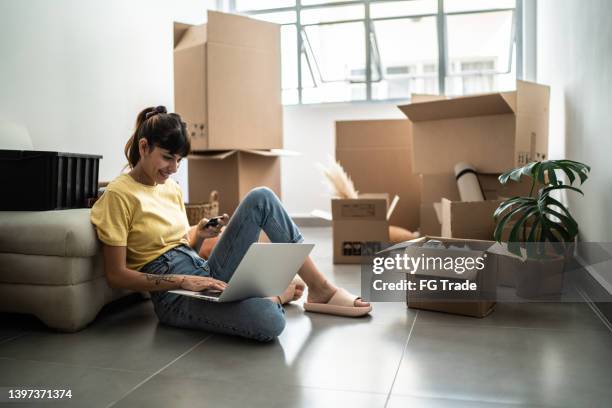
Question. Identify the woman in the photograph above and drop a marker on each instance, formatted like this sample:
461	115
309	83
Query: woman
142	223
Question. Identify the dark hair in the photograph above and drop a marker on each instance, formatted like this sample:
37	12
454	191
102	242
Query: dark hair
159	128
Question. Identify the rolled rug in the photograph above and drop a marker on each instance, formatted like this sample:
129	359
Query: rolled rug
467	183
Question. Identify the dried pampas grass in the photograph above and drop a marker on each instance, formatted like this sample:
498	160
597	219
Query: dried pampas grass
339	183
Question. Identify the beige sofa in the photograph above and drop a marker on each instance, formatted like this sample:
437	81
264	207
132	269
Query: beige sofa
51	267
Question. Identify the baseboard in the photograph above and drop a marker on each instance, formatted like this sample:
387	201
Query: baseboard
596	290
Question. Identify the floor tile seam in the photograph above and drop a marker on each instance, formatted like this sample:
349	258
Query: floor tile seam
595	310
124	370
312	387
476	400
265	383
13	338
147	379
399	364
340	318
377	324
490	326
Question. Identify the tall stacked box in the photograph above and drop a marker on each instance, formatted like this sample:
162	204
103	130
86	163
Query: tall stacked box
228	90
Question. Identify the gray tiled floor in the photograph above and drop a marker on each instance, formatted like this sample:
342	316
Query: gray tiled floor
548	354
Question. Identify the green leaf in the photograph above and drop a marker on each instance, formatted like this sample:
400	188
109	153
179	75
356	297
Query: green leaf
519	224
554	201
511	202
569	173
539	170
504	220
531	249
565	235
569	223
547	190
552	177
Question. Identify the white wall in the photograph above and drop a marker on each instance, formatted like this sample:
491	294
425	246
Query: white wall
575	58
310	129
76	73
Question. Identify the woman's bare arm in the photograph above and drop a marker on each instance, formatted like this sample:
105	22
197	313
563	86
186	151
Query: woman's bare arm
119	275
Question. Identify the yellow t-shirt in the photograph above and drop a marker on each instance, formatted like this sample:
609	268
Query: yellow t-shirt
148	220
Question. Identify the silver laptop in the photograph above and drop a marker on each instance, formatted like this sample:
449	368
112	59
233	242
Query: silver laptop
265	270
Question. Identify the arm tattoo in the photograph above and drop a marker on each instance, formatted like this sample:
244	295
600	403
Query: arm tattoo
157	279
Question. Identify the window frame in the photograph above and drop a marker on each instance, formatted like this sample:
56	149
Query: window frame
371	45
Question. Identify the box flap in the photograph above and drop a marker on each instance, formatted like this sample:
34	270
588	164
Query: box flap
272	152
469	106
392	206
179	30
240	31
478	244
191	36
418	98
532	99
510	98
212	155
224	154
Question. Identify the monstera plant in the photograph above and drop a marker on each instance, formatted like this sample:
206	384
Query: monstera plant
540	222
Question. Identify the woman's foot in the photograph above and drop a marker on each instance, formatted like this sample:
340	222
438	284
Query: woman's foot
325	292
294	291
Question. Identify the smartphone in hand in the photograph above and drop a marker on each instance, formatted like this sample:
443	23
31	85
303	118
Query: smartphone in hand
213	222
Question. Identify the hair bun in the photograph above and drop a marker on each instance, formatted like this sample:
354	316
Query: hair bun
155	111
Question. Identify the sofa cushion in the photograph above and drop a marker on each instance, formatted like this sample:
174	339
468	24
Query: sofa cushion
56	233
49	270
63	307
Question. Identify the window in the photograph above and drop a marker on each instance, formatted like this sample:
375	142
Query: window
349	50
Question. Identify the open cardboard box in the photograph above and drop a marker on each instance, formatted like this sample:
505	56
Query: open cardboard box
233	174
227	82
444	214
360	226
478	303
377	155
493	132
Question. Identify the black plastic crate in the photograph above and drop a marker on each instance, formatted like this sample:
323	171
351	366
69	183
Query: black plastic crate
33	180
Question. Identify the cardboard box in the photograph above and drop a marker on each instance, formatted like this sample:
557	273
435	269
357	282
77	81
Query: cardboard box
458	219
360	227
377	155
475	220
493	132
433	188
227	82
430	223
478	303
233	174
472	220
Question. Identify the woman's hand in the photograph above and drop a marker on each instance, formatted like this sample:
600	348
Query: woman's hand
200	283
211	231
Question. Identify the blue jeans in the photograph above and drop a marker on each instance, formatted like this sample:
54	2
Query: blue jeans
255	318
